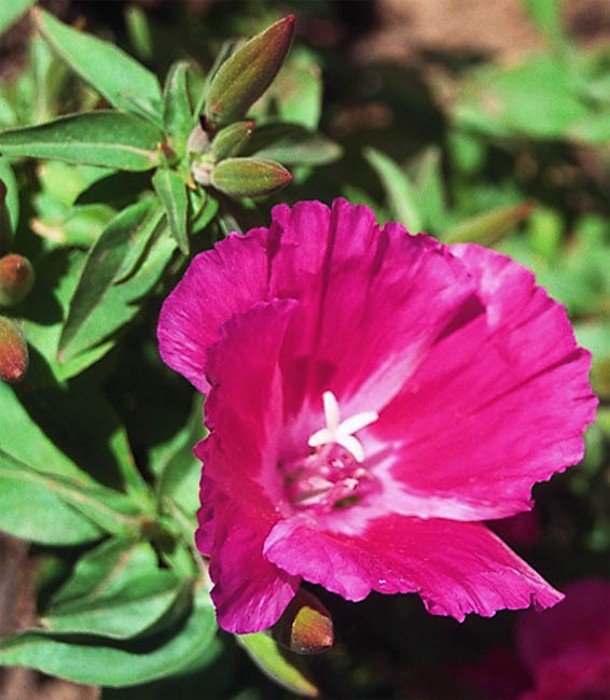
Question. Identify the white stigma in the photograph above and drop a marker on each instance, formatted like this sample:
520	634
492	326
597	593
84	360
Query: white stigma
338	432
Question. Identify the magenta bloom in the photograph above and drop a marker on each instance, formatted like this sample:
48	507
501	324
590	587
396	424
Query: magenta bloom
372	397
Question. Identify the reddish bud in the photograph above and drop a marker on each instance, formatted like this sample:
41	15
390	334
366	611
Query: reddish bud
14	358
229	141
306	626
249	177
16	279
245	75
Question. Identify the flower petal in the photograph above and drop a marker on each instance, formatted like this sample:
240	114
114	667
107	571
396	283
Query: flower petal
217	284
240	476
371	301
499	403
457	568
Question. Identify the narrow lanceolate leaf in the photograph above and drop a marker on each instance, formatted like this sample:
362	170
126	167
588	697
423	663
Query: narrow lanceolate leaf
110	139
267	656
106	298
121	80
117	590
171	189
11	11
489	227
177	110
30	508
400	193
91	661
291	144
245	76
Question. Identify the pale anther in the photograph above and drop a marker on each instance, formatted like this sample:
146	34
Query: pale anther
338	432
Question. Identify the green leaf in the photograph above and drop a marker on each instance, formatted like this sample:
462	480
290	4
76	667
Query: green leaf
32	508
117	590
295	96
400	193
547	15
177	110
291	144
121	80
113	281
110	139
12	192
277	664
489	227
430	192
171	189
186	645
177	467
26	442
11	11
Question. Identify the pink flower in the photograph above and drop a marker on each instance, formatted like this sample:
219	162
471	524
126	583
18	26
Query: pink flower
372	397
567	650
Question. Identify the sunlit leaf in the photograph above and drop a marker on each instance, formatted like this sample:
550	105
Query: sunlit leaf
124	82
11	11
111	139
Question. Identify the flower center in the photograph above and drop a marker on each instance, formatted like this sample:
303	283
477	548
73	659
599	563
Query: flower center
332	475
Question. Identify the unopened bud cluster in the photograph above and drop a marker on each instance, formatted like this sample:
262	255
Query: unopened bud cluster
16	281
214	146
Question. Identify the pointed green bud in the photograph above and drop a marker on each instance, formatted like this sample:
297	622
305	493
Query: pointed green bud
249	177
306	626
16	279
14	358
229	141
245	75
6	228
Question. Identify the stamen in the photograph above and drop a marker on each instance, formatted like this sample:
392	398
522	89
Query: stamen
338	432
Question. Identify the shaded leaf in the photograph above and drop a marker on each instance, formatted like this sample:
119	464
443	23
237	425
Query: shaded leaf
266	654
114	279
489	227
291	144
400	193
177	111
110	139
117	590
171	189
182	647
124	82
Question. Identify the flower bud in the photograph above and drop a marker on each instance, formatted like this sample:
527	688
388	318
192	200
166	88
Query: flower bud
228	141
6	228
16	279
245	75
249	177
306	626
14	358
198	140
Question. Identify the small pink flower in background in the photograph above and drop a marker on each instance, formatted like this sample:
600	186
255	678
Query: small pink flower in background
567	649
372	398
